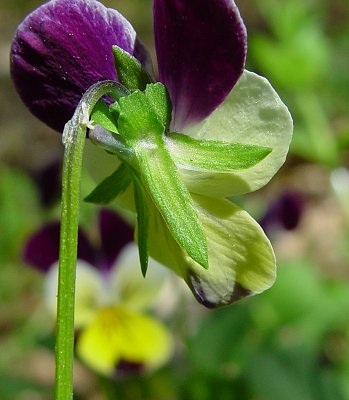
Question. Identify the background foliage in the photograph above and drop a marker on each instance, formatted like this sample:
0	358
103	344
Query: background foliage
291	342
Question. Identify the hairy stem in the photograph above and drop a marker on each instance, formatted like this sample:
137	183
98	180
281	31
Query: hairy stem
73	138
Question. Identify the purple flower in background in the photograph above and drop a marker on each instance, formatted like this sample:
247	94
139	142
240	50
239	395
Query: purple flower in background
65	46
42	249
114	335
48	182
285	212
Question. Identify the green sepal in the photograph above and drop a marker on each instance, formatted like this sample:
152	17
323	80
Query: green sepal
214	154
161	179
137	120
142	225
160	101
114	110
141	130
144	113
110	187
130	72
102	116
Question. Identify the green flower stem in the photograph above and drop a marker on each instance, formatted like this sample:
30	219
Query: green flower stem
73	138
67	263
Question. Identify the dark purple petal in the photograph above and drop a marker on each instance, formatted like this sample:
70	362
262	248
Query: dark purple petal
61	49
42	248
285	212
48	181
201	51
86	250
126	368
115	234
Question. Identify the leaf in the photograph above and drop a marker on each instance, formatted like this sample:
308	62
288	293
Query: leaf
213	154
241	259
130	72
110	187
142	225
252	114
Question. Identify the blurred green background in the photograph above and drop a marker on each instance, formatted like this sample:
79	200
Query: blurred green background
290	343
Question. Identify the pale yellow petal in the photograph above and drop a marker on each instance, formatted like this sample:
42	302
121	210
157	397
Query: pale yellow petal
241	259
88	295
129	287
252	113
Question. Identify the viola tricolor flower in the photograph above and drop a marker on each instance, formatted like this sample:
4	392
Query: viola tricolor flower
206	131
113	328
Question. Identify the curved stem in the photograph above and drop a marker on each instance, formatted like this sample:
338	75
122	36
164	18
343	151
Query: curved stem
67	261
73	138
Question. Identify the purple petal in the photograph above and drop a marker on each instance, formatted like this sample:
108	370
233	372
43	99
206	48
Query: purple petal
115	234
61	49
48	180
285	212
201	51
128	368
42	249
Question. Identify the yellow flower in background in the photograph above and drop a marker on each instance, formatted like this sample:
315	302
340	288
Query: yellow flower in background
113	300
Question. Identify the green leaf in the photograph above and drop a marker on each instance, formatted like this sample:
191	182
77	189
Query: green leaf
241	259
160	177
110	187
160	101
130	72
142	225
102	116
213	154
252	114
